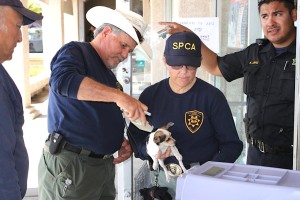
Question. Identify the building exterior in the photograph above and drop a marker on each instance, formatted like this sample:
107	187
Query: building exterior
64	21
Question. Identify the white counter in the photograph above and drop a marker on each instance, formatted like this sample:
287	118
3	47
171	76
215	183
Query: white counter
228	181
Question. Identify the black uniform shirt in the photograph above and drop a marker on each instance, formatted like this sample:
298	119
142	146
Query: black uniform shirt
269	82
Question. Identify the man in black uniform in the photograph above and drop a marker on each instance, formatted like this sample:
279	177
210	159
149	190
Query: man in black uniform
268	68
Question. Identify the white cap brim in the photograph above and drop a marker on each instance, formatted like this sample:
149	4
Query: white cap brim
135	19
99	15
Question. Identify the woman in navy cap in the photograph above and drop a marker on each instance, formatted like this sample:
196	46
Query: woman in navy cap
203	128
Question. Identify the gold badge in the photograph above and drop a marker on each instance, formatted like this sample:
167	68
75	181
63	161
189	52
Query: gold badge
173	169
119	86
194	120
294	61
255	62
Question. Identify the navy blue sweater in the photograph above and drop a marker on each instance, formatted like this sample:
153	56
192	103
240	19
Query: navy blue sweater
96	126
13	154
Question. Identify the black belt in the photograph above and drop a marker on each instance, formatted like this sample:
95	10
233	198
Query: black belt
265	148
77	150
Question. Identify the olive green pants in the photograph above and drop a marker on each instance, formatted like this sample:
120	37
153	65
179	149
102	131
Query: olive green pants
67	175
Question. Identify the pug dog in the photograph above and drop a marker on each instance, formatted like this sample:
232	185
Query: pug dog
159	141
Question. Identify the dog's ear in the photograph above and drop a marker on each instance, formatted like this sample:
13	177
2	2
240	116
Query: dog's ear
168	125
147	139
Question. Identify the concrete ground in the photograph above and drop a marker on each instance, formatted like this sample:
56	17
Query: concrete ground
35	133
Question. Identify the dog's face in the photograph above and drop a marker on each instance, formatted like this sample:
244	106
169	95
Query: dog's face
163	136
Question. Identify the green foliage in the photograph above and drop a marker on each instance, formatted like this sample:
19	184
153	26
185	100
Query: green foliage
35	70
35	7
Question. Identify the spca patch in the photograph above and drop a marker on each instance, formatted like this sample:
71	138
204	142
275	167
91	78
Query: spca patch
193	120
184	45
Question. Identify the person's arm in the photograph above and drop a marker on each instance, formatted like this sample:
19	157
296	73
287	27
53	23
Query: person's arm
230	146
90	90
124	152
68	79
209	58
137	139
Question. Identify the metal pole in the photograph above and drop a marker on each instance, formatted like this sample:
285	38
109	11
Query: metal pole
296	155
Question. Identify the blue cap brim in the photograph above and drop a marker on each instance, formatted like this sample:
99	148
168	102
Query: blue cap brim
28	15
183	60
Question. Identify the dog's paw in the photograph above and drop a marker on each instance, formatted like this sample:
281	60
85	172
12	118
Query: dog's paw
155	166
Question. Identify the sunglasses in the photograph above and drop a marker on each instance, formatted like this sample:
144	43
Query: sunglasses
190	68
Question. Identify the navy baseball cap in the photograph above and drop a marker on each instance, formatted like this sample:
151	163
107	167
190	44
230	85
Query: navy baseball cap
183	48
28	15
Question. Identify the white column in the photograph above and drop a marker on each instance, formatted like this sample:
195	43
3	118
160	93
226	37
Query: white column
18	67
124	169
53	32
297	103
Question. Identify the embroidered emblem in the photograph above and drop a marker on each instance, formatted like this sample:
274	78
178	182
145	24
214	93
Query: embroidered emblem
119	86
193	120
294	61
255	62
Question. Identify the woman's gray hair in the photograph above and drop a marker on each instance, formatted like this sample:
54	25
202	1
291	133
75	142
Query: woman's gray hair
113	28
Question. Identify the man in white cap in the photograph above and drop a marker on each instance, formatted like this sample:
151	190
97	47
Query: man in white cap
13	153
85	121
138	22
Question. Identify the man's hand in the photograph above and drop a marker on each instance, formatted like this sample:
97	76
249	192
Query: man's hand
124	153
174	27
133	109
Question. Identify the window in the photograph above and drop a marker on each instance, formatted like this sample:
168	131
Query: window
233	17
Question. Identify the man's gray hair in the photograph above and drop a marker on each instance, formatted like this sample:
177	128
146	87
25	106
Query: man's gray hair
114	29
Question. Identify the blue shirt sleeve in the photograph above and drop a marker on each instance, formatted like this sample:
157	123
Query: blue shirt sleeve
67	71
137	139
230	146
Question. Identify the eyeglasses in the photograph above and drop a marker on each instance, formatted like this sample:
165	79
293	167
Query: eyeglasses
190	68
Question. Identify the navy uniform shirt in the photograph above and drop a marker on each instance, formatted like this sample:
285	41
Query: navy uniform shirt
13	154
269	83
203	128
96	126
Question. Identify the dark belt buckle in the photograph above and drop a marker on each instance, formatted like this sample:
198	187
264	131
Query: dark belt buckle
261	146
174	169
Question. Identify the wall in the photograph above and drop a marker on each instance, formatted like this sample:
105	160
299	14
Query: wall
165	11
92	3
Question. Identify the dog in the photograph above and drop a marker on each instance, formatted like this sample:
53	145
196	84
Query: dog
160	140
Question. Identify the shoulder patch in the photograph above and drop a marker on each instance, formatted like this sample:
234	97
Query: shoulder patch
254	62
193	120
262	41
294	61
119	86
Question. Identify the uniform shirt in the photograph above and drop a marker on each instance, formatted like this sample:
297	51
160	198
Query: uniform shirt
203	124
13	154
96	126
269	82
